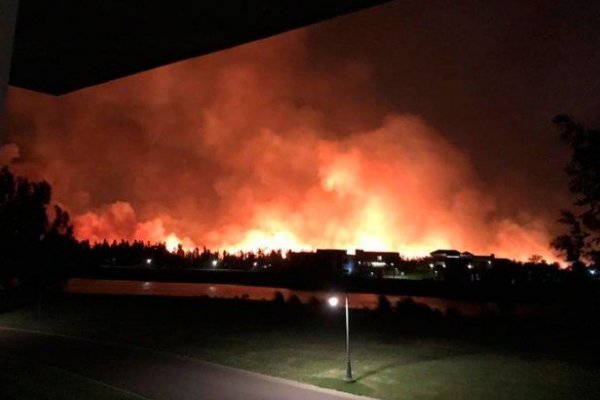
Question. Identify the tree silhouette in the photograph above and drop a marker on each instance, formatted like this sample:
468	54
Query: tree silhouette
583	239
31	244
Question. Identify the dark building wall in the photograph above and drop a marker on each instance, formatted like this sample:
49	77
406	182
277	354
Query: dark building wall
8	14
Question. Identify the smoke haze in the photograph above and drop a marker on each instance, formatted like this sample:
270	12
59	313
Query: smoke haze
262	147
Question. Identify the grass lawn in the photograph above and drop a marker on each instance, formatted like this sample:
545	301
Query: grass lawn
21	380
393	358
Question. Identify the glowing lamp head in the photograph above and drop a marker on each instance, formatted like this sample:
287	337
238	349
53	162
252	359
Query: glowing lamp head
148	261
214	263
333	301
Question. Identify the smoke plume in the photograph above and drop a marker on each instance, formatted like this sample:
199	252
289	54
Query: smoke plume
260	146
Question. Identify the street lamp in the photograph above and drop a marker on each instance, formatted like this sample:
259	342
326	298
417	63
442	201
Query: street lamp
333	302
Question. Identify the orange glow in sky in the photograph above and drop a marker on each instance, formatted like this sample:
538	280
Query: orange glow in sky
257	148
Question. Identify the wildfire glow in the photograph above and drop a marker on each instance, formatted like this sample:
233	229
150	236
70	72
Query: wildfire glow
267	241
255	148
172	242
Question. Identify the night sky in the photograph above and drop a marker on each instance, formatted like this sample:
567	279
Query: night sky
473	87
489	75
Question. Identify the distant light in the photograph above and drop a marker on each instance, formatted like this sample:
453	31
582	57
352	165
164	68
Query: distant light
333	301
214	263
430	265
470	266
148	261
593	271
255	263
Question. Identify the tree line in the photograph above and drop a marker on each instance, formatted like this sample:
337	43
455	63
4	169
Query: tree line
37	245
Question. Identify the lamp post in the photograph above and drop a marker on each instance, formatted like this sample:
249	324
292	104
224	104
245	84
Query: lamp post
333	301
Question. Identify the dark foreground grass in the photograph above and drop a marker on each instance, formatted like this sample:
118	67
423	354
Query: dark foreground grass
395	357
22	380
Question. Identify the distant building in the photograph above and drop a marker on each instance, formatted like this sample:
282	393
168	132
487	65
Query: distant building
376	263
444	254
327	261
332	259
323	261
300	258
443	264
456	265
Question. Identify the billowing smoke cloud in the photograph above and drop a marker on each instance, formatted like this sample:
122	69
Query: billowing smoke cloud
260	146
8	154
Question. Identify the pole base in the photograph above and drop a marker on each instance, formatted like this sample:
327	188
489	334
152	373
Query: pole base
349	379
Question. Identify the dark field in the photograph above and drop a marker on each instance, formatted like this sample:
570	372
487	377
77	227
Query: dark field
410	353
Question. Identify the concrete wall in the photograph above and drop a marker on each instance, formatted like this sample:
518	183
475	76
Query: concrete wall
8	18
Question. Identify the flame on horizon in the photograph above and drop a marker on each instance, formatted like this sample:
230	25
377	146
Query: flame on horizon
259	148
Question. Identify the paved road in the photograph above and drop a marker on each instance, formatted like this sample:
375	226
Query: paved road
154	375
